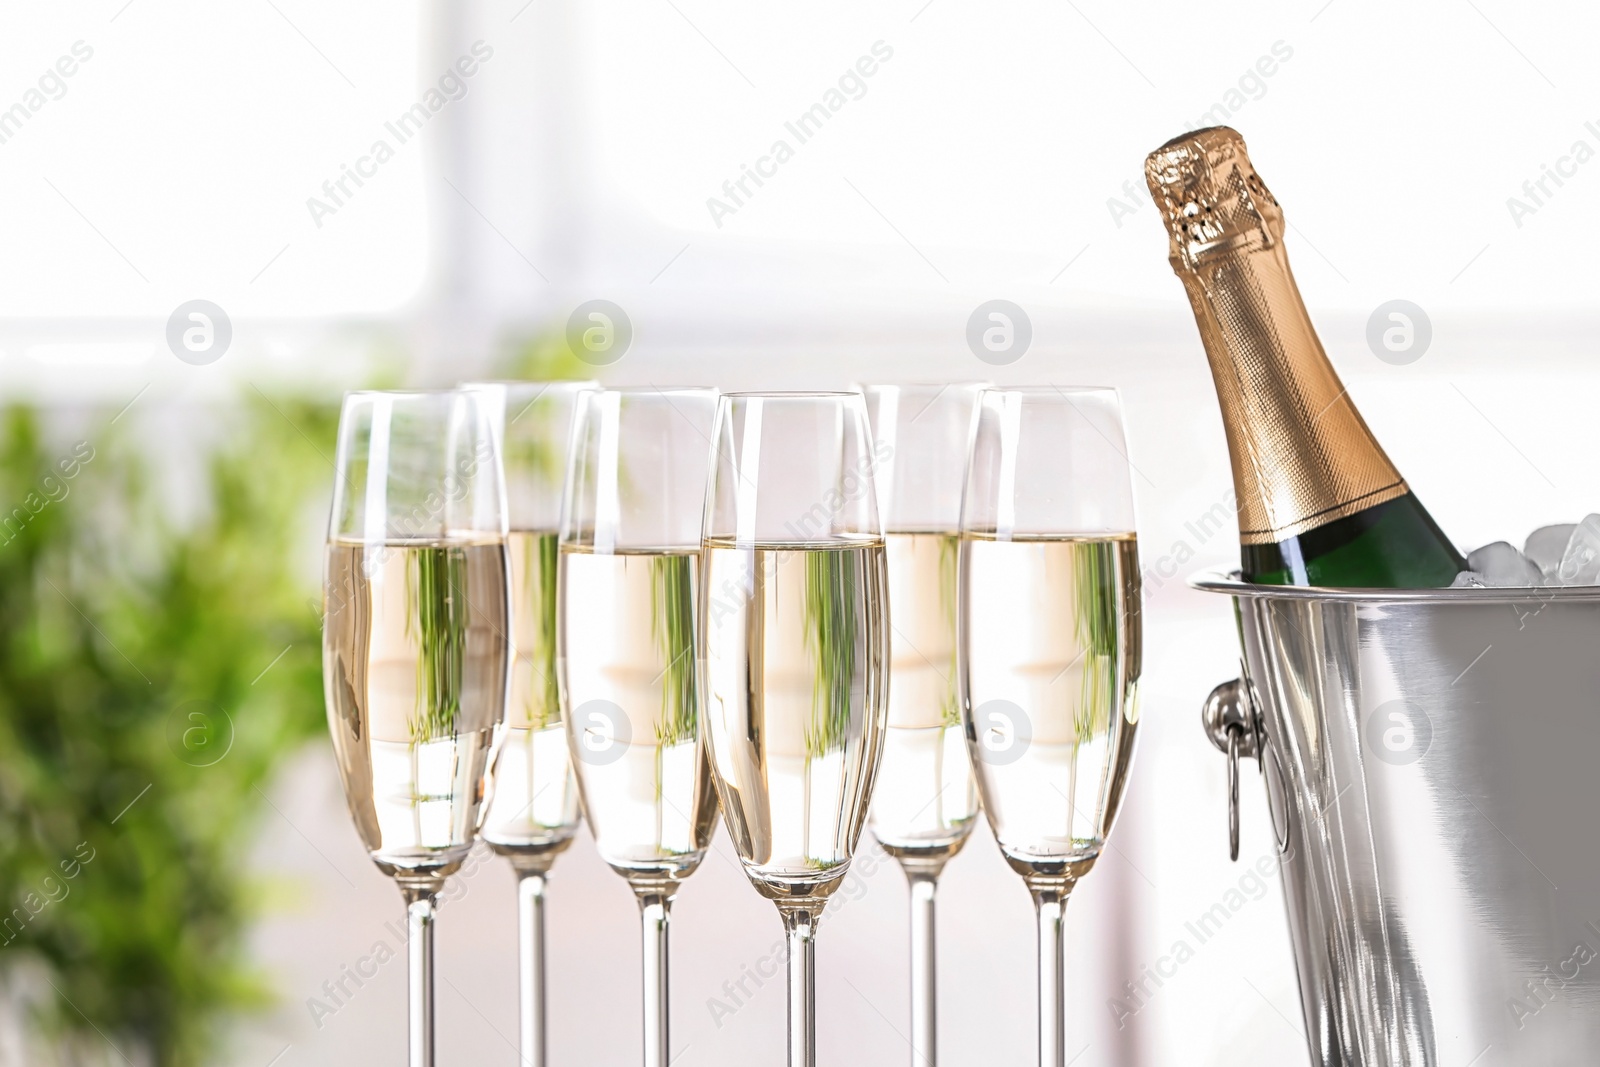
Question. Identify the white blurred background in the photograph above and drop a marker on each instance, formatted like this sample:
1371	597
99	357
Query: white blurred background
995	152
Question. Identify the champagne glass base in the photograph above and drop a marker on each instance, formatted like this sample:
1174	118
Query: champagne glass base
790	893
429	874
658	877
1050	873
921	863
924	858
531	855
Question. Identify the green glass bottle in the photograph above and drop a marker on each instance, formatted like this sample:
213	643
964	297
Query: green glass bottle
1319	501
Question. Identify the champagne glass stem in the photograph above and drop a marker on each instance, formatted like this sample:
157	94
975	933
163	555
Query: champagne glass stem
800	925
654	911
420	916
1050	906
924	1006
530	927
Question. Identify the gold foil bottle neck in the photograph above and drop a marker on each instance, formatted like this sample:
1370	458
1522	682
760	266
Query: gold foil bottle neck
1210	196
1301	454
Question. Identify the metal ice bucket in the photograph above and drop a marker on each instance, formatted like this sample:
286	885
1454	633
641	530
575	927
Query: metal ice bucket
1432	764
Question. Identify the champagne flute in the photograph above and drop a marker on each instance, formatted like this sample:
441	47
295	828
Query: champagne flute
625	638
926	802
416	644
795	637
534	810
1048	647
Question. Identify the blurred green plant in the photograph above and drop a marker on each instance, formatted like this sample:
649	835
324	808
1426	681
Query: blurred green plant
155	671
545	356
152	676
672	580
441	635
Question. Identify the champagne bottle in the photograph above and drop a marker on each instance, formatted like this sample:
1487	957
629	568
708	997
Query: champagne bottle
1319	501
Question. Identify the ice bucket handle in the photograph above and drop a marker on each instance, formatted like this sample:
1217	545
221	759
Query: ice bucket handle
1234	727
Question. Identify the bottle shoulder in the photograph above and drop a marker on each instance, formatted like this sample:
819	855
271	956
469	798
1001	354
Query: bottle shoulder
1394	545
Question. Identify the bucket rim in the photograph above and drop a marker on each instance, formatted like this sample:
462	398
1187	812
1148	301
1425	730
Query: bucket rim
1229	583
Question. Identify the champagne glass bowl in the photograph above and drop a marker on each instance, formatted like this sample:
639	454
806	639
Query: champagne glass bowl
533	813
416	644
626	663
795	643
1049	644
926	802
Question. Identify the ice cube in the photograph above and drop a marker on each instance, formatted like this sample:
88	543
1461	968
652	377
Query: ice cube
1580	563
1499	564
1468	580
1546	545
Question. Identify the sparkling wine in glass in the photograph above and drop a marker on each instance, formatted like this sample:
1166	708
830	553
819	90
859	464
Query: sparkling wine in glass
534	810
796	653
926	801
1049	644
626	651
416	644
